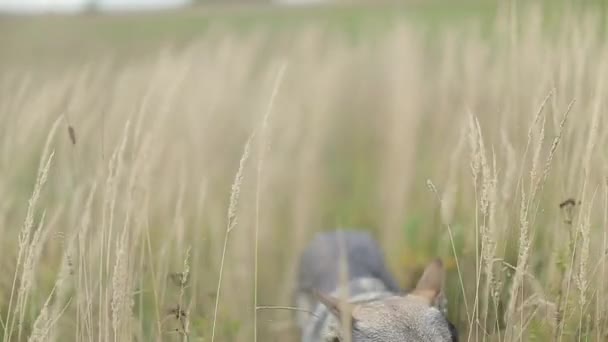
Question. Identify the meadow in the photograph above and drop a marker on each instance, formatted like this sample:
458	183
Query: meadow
160	173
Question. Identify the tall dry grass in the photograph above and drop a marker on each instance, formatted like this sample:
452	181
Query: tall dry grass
115	227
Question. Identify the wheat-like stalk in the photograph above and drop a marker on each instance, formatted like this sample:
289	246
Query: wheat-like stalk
231	223
105	247
263	145
26	231
27	274
41	327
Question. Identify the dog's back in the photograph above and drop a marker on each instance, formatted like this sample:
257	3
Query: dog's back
321	262
379	313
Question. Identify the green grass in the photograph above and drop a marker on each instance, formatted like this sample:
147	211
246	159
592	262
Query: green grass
51	39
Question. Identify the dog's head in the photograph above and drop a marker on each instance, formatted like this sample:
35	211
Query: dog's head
415	317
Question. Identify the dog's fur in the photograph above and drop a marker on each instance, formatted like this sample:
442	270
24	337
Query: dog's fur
370	308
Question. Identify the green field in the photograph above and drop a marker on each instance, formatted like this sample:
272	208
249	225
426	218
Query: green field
84	37
447	130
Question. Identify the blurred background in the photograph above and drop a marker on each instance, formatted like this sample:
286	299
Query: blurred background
164	162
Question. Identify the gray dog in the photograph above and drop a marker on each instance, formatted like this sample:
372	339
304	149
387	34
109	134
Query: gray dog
370	308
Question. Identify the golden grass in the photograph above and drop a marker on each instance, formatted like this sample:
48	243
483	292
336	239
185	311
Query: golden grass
124	228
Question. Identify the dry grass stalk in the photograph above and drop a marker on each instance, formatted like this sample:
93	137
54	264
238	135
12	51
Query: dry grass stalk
263	146
105	240
231	223
41	327
27	274
26	231
431	186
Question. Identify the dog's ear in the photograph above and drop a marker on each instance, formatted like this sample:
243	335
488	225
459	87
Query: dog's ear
342	310
430	285
332	304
